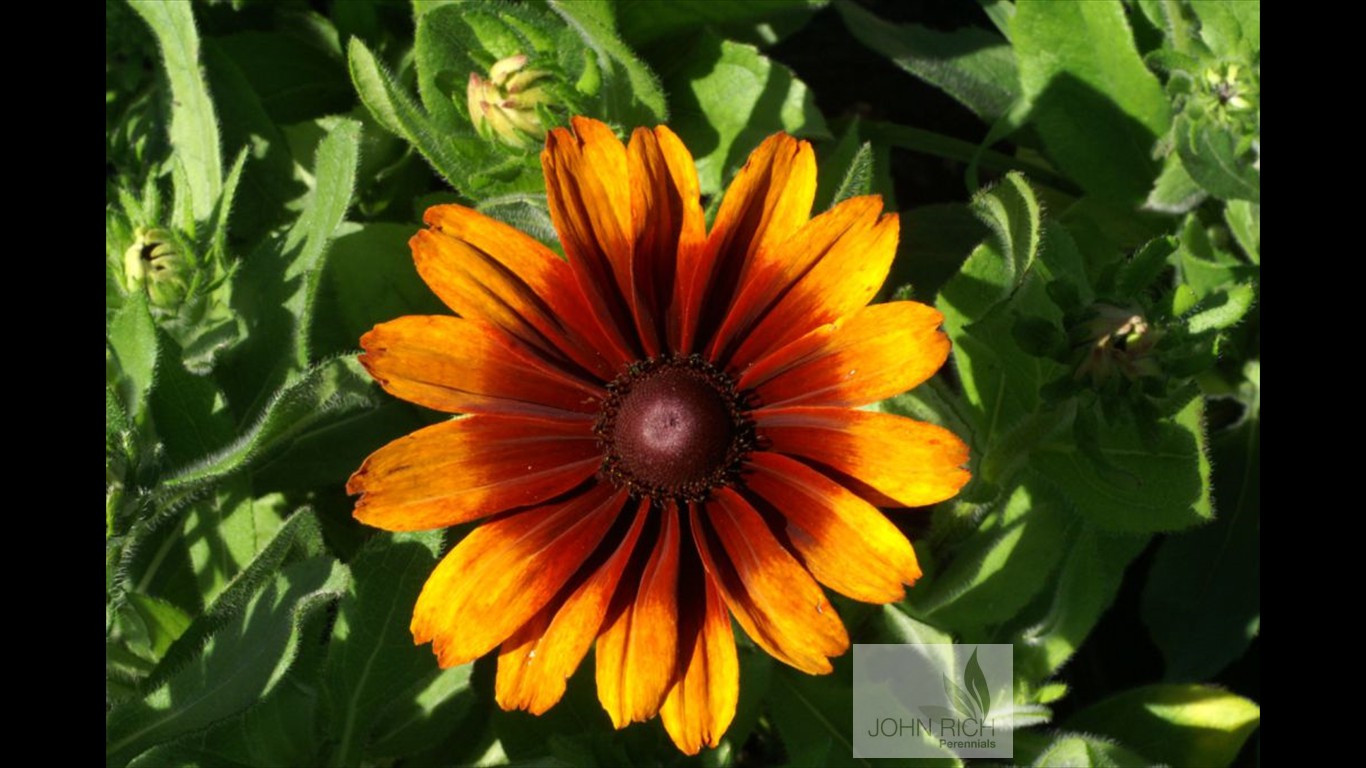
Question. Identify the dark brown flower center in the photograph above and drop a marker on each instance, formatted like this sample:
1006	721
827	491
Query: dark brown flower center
674	428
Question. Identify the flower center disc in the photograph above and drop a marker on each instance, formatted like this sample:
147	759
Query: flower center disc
674	428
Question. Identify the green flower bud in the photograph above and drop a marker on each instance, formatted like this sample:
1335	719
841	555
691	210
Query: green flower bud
154	264
503	106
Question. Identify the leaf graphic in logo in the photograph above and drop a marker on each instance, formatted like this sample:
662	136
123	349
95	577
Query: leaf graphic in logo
959	699
976	681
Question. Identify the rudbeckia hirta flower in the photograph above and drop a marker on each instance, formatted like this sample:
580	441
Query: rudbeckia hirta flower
660	431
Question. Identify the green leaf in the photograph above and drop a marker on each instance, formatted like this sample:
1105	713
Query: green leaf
1072	750
935	240
1012	213
227	532
132	339
1174	191
164	622
814	716
1204	267
528	213
846	171
1244	220
1230	29
1221	309
307	242
1120	481
1175	724
398	113
972	65
1141	272
1203	600
190	412
310	399
1001	568
372	665
644	22
280	730
298	537
1211	155
631	93
297	70
438	705
194	127
241	663
1086	585
1087	92
269	180
981	303
369	278
728	97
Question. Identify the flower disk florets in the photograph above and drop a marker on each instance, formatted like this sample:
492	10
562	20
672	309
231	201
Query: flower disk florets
674	428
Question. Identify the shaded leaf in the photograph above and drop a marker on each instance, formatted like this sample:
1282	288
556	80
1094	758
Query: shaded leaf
242	662
644	22
974	66
369	278
314	397
1202	602
372	666
1090	577
299	536
728	97
1119	481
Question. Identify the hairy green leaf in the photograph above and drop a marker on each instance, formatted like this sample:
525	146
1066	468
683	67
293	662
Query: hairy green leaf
194	127
241	663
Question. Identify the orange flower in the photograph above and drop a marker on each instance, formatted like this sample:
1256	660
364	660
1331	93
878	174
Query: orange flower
662	429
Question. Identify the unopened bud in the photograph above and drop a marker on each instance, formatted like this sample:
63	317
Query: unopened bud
154	264
503	106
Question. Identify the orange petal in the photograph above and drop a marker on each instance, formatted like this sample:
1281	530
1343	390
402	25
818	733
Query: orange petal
587	186
910	461
700	706
538	659
845	278
468	468
775	268
768	200
464	366
485	269
846	542
637	650
505	571
772	596
876	352
668	229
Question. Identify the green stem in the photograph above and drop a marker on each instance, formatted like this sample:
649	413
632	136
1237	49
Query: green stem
938	145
